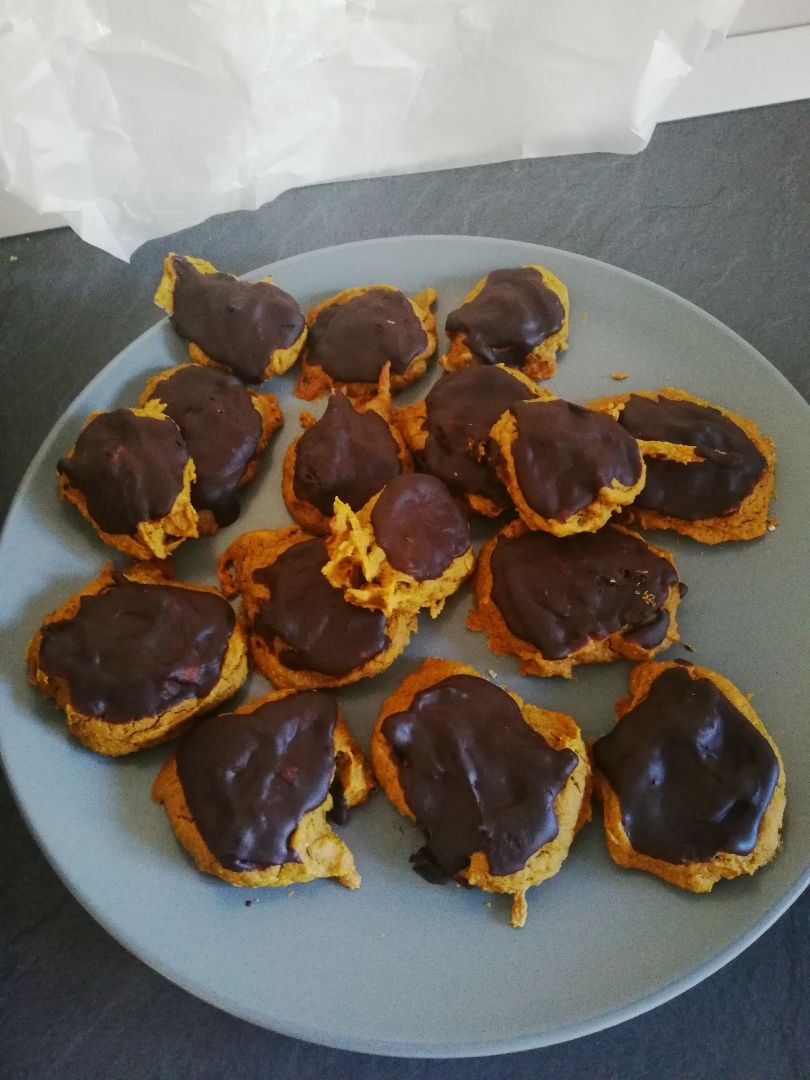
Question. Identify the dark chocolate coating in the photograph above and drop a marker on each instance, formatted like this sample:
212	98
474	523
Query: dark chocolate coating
460	411
564	454
319	630
129	469
700	489
353	341
237	323
514	312
559	593
346	455
692	775
249	778
419	526
221	428
136	650
475	775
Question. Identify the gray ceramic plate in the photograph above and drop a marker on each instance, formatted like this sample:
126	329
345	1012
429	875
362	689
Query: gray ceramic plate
403	967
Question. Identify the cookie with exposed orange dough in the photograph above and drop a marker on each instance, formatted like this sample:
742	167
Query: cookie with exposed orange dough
557	602
251	328
303	634
226	428
130	475
352	335
566	468
516	317
134	657
350	454
692	784
498	786
250	794
710	471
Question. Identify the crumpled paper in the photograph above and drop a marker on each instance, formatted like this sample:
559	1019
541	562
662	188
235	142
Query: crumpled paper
135	118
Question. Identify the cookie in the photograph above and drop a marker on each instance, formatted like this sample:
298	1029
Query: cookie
408	548
516	317
350	454
303	634
710	471
133	657
355	333
251	328
692	784
589	599
448	431
499	787
130	476
226	427
249	794
566	468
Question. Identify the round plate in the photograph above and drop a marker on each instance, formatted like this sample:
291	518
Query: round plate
401	966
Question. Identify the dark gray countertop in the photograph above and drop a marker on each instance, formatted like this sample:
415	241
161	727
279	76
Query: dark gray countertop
717	210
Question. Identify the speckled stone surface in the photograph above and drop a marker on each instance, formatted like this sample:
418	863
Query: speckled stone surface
718	210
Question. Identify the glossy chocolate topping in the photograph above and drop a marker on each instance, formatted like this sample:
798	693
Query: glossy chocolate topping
249	778
560	593
129	469
222	429
475	775
237	323
700	489
514	312
693	776
347	455
460	412
136	650
321	631
353	341
419	526
564	454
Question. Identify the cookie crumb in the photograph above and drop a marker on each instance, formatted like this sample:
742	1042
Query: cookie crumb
583	318
488	904
772	523
686	646
248	903
619	376
13	258
290	892
492	673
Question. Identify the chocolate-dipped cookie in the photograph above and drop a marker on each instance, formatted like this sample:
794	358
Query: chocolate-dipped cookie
693	786
498	787
251	328
226	427
589	599
133	657
249	794
352	335
130	475
303	634
517	317
710	471
566	468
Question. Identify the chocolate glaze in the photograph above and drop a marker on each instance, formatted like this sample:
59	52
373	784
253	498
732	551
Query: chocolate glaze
237	323
419	526
136	650
353	341
249	778
321	631
129	469
221	428
700	489
475	775
346	455
514	312
460	411
564	454
692	775
560	593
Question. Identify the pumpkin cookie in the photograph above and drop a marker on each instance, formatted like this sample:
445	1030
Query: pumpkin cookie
248	794
692	784
251	328
133	657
